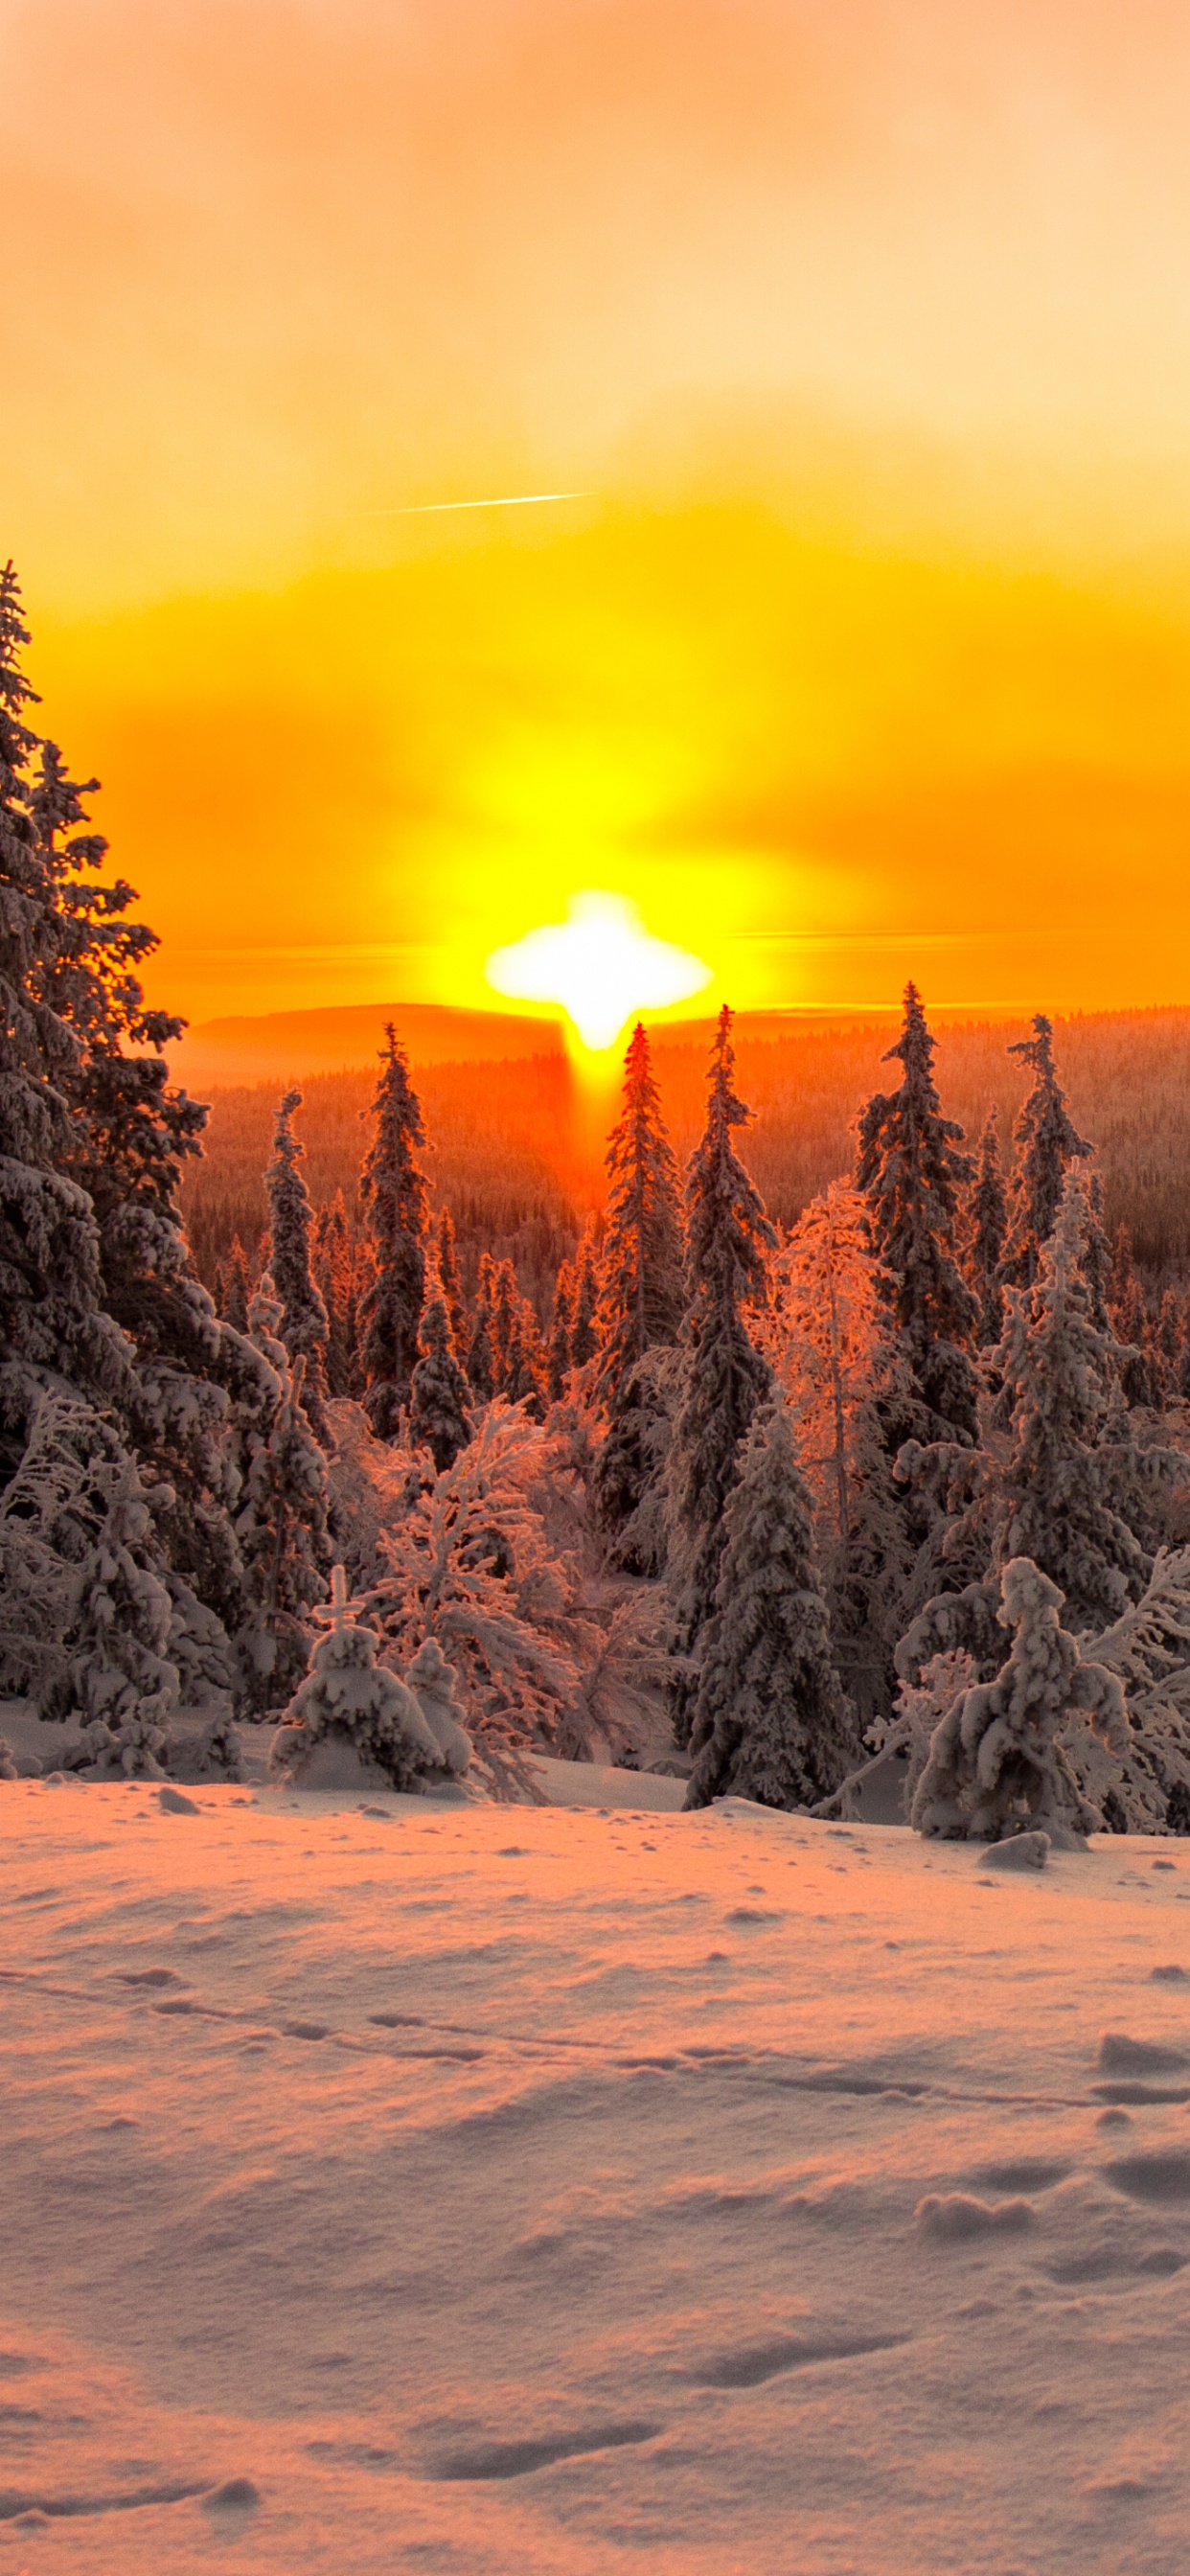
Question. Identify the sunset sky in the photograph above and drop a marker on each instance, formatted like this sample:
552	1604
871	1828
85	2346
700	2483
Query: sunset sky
862	325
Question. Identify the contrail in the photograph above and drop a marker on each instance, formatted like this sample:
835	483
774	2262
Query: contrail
506	501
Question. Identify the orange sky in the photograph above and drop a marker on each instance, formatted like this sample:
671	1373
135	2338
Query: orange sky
865	323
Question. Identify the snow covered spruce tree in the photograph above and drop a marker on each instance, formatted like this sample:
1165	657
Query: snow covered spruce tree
333	1262
584	1340
1063	1481
54	1332
281	1522
235	1287
1046	1141
481	1358
832	1342
303	1328
393	1197
997	1764
446	1255
643	1292
987	1226
910	1171
724	1376
351	1717
558	1344
771	1720
438	1417
121	1685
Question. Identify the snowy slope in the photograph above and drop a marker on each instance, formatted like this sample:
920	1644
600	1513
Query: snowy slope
484	2189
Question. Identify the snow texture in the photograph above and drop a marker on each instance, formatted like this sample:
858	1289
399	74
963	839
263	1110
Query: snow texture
534	2192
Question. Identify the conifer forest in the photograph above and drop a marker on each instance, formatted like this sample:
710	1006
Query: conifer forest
768	1499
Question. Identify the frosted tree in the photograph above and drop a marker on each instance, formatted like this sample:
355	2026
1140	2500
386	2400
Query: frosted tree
1046	1141
771	1721
1148	1647
439	1397
830	1338
471	1565
725	1376
348	1701
987	1226
1096	1257
54	1332
481	1360
558	1346
526	1366
446	1253
998	1764
1055	1481
303	1328
334	1264
910	1171
584	1339
281	1523
236	1287
51	1512
505	1309
643	1285
393	1198
121	1685
1139	1379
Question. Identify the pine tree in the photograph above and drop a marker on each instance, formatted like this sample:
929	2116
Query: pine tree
527	1366
1130	1320
1046	1142
505	1305
643	1290
452	1285
304	1329
726	1378
997	1763
393	1198
1096	1259
771	1720
910	1172
988	1225
54	1332
439	1396
334	1269
559	1360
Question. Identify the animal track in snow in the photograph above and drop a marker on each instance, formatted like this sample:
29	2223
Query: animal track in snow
519	2459
1155	2178
752	2364
955	2218
1120	2055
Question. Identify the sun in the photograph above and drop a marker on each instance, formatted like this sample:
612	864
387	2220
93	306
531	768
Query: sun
601	964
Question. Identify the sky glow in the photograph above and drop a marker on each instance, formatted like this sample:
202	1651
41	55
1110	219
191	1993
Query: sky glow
602	966
855	345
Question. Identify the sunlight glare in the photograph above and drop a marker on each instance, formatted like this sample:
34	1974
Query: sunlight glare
601	964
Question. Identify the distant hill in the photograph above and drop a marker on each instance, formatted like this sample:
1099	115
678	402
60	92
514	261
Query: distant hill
285	1046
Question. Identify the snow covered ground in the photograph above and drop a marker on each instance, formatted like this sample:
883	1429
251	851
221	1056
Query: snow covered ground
464	2188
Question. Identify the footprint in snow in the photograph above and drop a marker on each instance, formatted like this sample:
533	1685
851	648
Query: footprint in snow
1120	2055
751	2365
519	2459
1156	2179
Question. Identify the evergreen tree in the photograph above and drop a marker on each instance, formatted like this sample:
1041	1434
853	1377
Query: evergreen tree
1097	1255
1139	1379
303	1328
334	1270
526	1366
122	1685
54	1332
1046	1142
452	1285
910	1172
584	1339
481	1360
1057	1485
833	1344
393	1198
726	1378
347	1700
771	1720
988	1225
282	1518
997	1763
438	1418
559	1361
643	1292
505	1306
236	1286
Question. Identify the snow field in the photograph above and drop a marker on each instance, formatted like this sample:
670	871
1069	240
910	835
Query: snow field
414	2185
